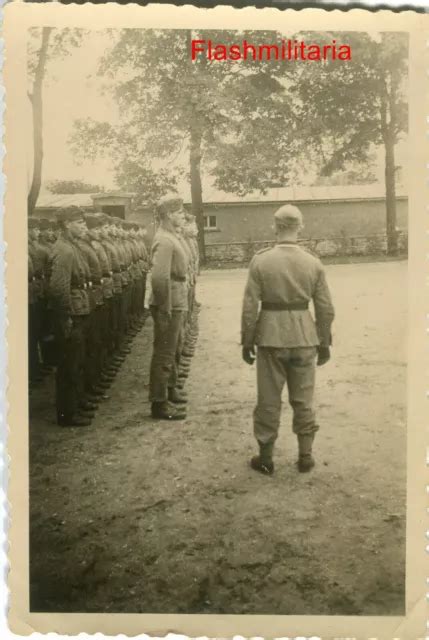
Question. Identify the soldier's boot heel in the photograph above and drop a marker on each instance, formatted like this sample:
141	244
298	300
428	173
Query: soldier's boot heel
263	463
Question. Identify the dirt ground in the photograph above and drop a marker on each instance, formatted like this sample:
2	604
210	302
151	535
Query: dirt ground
134	515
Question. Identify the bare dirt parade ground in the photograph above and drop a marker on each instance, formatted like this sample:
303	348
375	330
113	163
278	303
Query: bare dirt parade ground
136	515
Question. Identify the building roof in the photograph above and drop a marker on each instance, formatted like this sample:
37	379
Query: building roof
114	194
58	200
86	200
302	194
215	196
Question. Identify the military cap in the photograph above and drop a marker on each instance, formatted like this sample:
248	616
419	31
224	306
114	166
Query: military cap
33	223
44	224
69	214
169	204
288	216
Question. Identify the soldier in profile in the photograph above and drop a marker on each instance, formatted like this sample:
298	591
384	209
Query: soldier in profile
169	305
282	281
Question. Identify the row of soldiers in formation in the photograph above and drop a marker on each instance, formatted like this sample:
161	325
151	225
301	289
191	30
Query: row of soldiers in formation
88	295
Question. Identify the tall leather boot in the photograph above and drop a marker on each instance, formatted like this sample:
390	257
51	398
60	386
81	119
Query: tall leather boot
305	460
177	396
264	461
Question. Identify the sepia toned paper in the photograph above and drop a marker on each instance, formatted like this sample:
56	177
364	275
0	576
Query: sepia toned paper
19	19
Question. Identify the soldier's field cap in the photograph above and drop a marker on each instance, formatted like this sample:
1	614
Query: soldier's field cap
288	216
93	220
44	224
70	214
169	204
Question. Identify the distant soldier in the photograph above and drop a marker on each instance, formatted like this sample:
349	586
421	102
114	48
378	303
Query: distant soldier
144	262
93	329
168	305
47	343
125	259
281	283
70	305
94	223
107	236
39	259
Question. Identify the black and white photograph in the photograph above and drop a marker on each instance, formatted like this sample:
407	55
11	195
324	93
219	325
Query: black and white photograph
217	242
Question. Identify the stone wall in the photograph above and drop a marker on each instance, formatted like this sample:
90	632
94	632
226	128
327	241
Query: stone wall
240	253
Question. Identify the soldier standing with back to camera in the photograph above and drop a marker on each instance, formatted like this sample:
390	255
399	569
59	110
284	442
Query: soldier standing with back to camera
281	283
169	303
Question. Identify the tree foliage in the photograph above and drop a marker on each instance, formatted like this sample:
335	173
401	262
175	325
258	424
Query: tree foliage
73	186
249	126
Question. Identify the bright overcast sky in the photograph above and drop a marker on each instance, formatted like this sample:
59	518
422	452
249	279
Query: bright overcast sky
72	92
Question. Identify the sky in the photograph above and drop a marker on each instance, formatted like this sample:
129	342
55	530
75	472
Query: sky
73	91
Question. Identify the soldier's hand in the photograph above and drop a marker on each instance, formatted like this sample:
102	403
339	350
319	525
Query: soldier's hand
324	354
249	355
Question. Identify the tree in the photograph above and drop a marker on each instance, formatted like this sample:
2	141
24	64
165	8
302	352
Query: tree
73	186
250	126
170	105
346	108
37	108
44	44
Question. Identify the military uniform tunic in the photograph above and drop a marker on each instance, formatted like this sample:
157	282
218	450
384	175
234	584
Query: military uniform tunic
282	281
168	304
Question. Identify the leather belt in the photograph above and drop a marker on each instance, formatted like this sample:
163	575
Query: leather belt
283	306
178	278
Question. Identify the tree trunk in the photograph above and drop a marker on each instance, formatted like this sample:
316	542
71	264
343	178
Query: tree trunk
391	232
36	99
195	141
196	187
388	134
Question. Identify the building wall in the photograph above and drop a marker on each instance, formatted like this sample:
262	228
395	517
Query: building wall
240	253
252	222
113	201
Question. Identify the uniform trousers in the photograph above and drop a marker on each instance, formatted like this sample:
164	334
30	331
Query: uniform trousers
295	367
123	314
116	321
163	369
47	343
70	368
